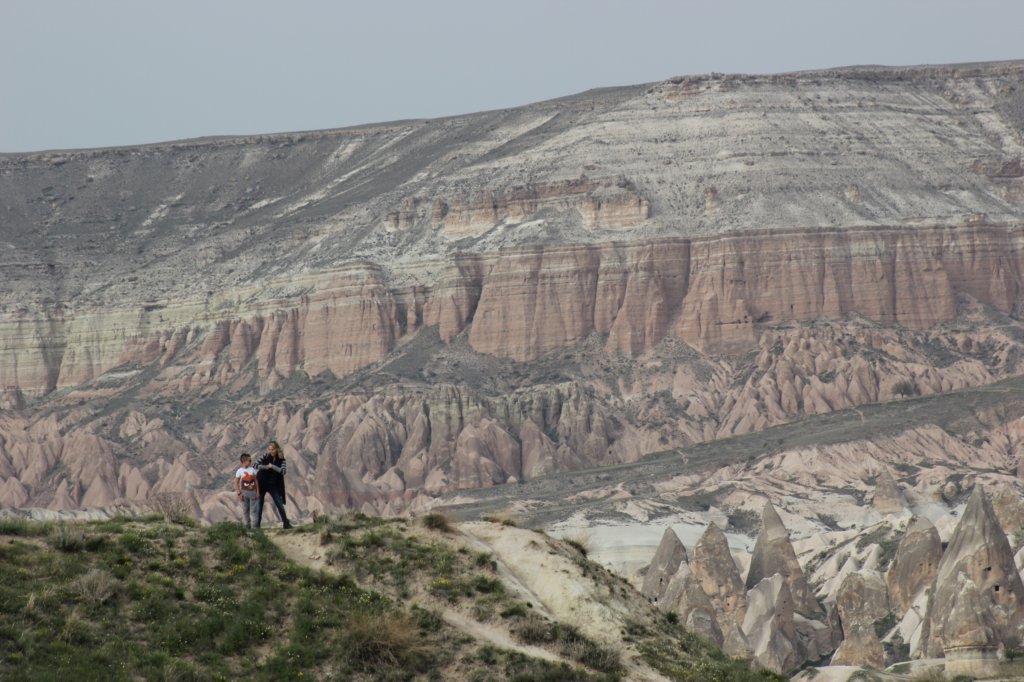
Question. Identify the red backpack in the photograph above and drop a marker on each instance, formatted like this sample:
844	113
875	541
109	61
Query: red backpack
248	481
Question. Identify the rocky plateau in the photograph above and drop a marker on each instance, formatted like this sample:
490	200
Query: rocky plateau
689	304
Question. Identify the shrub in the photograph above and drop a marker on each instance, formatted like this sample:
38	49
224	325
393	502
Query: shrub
450	589
581	543
16	525
177	670
75	629
517	610
390	640
488	585
96	586
67	537
905	388
884	624
486	560
437	521
572	643
174	507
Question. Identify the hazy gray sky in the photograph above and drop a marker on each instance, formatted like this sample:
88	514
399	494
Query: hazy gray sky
76	73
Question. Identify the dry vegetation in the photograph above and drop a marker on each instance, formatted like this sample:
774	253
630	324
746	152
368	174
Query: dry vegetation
130	599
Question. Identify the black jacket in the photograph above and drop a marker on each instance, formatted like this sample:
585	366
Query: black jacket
269	479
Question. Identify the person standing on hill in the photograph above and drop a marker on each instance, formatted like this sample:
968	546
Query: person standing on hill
271	469
247	487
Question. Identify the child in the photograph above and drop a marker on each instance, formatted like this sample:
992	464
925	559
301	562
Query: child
247	487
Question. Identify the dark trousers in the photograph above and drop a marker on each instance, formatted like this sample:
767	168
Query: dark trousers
278	499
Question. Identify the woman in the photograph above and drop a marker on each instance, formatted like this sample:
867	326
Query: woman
270	471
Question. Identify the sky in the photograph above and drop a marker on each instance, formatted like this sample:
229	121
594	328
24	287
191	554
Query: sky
99	73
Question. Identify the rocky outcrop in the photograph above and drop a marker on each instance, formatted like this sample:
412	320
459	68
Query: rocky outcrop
970	639
664	566
887	498
685	597
520	304
915	564
769	625
860	647
713	566
601	204
977	552
774	554
861	602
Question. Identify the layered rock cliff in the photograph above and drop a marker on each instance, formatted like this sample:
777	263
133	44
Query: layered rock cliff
427	306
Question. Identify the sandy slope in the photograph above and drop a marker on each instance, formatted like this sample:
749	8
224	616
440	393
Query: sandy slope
532	569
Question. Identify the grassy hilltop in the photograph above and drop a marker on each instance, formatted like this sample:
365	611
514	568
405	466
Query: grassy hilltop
354	598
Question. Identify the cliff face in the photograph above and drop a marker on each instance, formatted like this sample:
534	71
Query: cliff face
718	295
428	306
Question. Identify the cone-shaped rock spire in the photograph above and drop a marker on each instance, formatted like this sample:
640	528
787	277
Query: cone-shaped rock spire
887	499
773	553
915	564
770	627
686	598
712	564
669	555
980	551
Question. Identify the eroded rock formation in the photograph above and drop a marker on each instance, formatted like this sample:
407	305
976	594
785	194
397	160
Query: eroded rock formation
977	552
773	554
712	564
670	556
770	627
915	564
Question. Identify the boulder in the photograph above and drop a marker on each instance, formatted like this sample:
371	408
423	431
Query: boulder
815	637
1008	504
862	599
774	553
736	643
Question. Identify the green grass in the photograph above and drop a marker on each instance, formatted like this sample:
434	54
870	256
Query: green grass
147	599
685	657
130	600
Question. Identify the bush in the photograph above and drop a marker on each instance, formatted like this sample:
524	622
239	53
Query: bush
16	525
884	624
486	560
437	521
174	507
905	388
96	586
581	543
391	640
516	610
571	642
67	538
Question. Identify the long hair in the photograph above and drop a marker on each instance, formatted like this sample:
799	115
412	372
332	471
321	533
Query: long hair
277	449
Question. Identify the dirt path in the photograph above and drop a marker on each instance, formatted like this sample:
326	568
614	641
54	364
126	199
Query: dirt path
555	586
304	549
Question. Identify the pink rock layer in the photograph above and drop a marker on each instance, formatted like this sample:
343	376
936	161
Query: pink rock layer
715	294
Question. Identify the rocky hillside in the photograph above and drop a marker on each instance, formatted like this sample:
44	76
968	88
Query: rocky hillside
883	537
780	315
419	307
351	598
